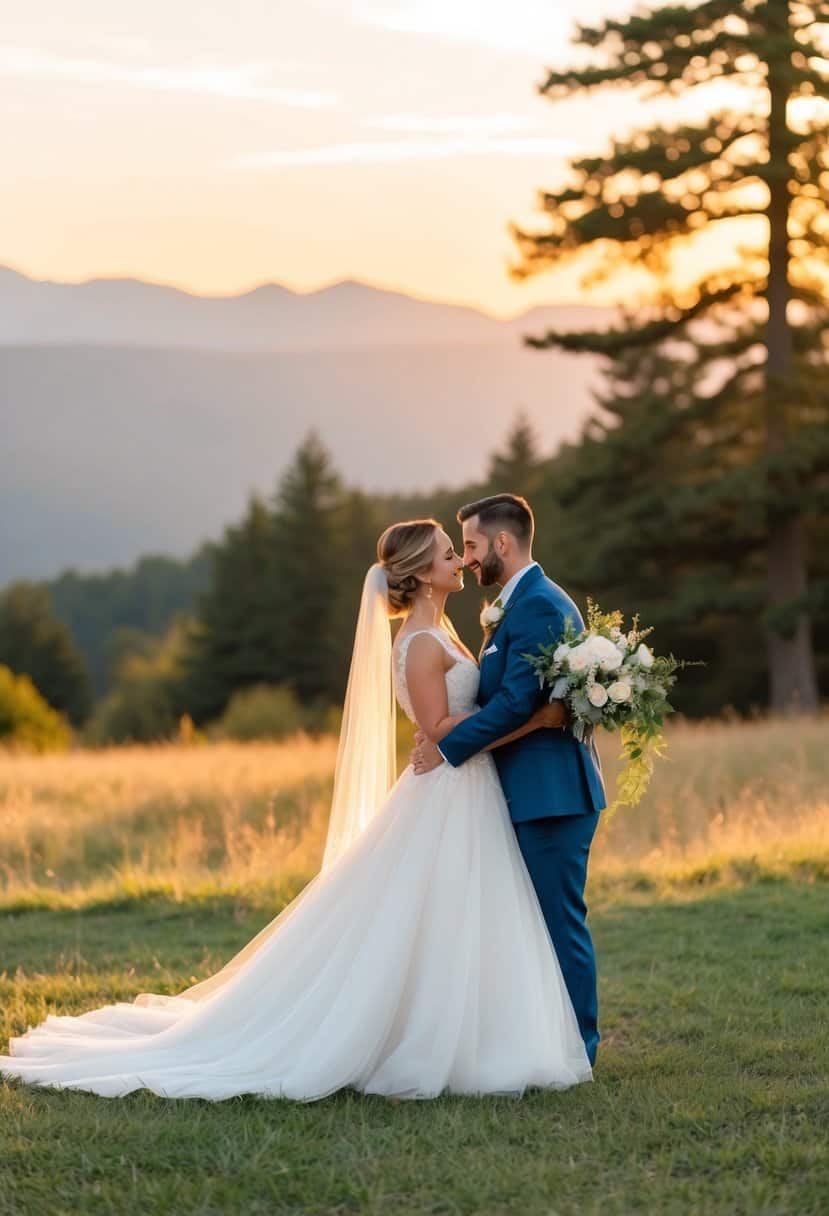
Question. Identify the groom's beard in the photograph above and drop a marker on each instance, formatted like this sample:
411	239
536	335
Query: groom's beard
492	568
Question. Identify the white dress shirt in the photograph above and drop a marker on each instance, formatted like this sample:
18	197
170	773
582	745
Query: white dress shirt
513	582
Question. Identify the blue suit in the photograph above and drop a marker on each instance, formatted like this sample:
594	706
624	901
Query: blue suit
552	783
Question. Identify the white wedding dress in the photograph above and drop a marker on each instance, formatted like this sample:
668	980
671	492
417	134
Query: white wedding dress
418	963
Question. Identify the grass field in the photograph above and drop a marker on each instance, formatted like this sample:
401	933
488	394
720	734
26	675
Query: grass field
144	869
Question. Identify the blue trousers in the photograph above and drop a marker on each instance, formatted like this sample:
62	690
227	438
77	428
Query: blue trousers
555	851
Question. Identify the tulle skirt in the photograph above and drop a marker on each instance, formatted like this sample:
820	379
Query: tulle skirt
419	963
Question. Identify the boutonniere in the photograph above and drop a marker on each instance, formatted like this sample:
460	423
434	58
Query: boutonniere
492	615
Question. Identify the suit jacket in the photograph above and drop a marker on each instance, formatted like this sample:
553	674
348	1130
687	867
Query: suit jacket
547	772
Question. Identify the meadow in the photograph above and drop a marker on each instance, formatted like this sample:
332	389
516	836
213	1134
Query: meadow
136	869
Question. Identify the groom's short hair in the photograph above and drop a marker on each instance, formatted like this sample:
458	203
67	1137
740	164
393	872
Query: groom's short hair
502	513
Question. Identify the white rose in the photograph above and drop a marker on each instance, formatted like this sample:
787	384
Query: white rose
605	653
620	691
577	660
490	616
597	695
561	653
644	656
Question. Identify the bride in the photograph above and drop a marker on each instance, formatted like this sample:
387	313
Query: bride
416	962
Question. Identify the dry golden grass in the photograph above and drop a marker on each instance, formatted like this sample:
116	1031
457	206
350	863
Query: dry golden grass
120	818
725	792
102	824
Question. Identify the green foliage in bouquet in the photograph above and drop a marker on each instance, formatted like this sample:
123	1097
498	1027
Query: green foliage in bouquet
608	677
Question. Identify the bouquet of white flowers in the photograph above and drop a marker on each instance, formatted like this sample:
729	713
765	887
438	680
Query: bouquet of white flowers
608	677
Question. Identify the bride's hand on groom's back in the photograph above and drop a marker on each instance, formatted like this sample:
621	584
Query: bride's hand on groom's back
425	755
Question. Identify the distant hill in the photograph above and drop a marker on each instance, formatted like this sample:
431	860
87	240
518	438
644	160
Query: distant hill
347	315
138	418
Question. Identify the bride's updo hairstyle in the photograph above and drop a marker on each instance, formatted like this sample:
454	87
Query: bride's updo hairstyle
405	550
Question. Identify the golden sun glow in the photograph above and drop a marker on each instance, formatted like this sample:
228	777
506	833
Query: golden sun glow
393	143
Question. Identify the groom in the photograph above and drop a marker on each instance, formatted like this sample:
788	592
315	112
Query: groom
552	783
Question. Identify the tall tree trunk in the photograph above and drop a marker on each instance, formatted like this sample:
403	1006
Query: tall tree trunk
793	683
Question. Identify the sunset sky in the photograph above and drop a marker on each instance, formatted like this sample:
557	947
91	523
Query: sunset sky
218	145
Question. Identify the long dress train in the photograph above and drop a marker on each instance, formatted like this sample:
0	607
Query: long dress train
418	963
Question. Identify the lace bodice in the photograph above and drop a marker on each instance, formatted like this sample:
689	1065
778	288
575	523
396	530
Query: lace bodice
461	680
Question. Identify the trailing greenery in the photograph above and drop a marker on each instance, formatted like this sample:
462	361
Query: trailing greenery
609	678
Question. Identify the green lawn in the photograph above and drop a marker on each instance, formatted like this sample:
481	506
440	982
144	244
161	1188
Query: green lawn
711	1092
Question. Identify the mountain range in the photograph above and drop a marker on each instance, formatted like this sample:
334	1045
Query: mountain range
137	417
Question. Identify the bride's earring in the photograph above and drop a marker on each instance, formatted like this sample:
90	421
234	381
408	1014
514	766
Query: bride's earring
428	591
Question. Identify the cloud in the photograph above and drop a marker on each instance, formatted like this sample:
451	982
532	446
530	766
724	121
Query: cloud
389	151
243	83
455	124
532	27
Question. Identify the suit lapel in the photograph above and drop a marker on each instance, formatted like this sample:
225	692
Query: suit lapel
531	577
529	580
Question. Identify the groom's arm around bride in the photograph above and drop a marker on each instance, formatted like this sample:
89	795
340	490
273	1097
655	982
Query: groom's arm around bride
510	692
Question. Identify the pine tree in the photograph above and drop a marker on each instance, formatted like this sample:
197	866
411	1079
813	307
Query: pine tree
360	520
651	524
740	429
515	469
307	568
236	640
35	643
283	594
